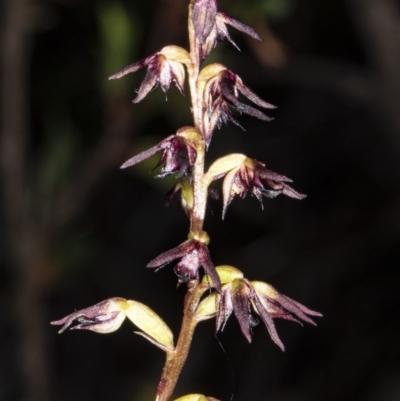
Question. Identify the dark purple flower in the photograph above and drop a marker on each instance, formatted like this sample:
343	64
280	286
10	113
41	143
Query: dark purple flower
163	68
252	176
179	153
192	255
210	26
243	298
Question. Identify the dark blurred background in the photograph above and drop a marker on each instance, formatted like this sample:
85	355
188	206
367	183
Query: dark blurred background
76	230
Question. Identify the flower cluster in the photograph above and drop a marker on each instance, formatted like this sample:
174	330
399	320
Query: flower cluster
222	291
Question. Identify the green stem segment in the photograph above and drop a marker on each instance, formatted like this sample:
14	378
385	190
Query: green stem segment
199	187
177	358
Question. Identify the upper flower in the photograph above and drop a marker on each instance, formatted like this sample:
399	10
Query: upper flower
241	297
163	67
220	88
210	26
179	153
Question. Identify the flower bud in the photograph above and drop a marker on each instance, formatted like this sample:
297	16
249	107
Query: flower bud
203	18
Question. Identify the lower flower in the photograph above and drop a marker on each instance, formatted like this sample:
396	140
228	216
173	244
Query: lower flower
243	297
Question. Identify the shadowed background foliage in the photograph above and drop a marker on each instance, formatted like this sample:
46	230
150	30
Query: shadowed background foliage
76	230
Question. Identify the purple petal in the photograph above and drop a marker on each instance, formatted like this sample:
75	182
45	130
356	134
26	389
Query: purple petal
296	308
224	308
208	266
132	68
271	175
289	191
253	97
223	33
149	83
147	153
241	308
227	191
172	254
251	111
238	25
285	189
269	323
305	309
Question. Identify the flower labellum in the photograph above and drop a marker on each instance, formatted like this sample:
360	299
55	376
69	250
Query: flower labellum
104	317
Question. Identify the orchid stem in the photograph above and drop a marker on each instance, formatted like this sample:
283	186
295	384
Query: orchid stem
199	187
177	358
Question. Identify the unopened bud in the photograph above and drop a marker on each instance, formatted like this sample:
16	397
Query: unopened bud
203	16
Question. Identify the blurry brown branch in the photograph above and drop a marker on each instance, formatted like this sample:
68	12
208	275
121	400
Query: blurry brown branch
26	240
28	236
378	23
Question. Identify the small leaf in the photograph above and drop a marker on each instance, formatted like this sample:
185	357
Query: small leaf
150	323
